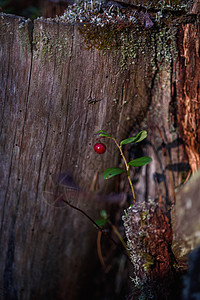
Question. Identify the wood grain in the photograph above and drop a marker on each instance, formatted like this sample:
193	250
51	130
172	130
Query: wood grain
47	129
47	78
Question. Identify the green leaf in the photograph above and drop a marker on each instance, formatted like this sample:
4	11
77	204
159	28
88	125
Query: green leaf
128	141
101	222
138	162
135	139
103	214
110	172
103	133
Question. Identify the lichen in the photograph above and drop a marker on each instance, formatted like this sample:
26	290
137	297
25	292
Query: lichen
136	223
128	31
149	237
49	46
102	13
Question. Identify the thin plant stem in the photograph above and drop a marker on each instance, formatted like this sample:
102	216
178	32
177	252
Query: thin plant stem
97	226
120	237
132	189
127	167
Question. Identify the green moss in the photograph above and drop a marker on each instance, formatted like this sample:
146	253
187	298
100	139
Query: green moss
126	33
149	261
100	38
131	42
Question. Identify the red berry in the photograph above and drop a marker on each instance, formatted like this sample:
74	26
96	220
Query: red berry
99	148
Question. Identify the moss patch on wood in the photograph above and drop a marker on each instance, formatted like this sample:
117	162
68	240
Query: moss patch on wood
129	30
131	42
149	236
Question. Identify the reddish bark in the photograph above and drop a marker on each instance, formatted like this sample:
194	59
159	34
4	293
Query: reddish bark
189	83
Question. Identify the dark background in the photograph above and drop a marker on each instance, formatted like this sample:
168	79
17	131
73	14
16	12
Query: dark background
34	8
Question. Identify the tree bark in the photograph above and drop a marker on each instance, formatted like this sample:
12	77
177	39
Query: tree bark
188	102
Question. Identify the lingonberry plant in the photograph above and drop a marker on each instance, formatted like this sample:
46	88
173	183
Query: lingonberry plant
138	162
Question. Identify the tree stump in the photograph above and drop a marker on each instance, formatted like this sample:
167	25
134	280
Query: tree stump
56	92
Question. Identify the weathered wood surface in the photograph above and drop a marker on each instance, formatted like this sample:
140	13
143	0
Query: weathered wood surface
47	127
186	222
192	280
